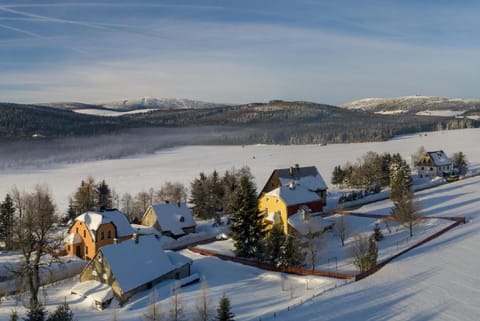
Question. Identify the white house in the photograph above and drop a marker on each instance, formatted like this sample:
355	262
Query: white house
434	164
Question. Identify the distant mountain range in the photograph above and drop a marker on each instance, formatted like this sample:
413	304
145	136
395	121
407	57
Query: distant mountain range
275	122
139	103
421	105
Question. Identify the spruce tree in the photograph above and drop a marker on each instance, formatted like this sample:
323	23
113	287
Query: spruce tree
61	313
274	242
377	233
291	253
400	179
460	163
224	312
35	313
246	220
103	196
372	253
198	197
7	211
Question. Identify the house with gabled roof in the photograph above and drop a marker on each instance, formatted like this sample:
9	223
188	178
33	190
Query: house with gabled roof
94	229
134	265
171	219
306	176
291	196
435	163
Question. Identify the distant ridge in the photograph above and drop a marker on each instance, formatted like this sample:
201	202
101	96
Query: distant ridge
415	104
159	103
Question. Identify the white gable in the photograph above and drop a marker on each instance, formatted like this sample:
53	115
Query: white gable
173	217
93	220
135	264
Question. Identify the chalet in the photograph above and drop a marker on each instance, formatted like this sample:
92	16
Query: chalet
434	164
171	219
92	230
285	205
134	265
308	177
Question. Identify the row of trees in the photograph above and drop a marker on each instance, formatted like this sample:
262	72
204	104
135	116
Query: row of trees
371	170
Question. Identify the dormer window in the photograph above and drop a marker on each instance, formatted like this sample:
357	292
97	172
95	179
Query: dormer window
182	219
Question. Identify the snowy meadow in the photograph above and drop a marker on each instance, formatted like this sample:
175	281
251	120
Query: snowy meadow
437	281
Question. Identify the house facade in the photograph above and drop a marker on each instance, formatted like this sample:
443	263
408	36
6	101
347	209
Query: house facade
282	204
434	164
92	230
171	219
135	265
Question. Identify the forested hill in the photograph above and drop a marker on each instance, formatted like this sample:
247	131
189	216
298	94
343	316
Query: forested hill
277	122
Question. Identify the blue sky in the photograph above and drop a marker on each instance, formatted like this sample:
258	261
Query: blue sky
237	51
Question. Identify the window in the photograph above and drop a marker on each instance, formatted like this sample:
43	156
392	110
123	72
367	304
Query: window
423	168
431	168
102	235
86	249
68	248
84	233
77	230
109	234
182	219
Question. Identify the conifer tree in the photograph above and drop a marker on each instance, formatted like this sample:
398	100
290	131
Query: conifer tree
400	180
460	163
291	253
247	227
7	211
224	312
377	233
103	196
274	242
35	313
62	313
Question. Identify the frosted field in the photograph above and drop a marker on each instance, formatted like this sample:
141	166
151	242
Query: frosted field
437	281
183	164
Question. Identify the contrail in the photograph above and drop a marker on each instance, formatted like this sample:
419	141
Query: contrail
22	31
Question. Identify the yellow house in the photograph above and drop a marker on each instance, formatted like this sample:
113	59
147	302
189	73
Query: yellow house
171	219
284	202
291	191
92	230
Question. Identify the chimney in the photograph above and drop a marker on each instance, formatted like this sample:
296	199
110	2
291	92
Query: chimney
290	171
297	167
291	185
135	238
115	241
178	204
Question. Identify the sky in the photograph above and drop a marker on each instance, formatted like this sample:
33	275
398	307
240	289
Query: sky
237	51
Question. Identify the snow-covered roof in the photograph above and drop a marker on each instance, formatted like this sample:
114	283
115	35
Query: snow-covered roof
94	220
145	230
296	195
439	158
134	264
173	217
305	176
72	238
303	226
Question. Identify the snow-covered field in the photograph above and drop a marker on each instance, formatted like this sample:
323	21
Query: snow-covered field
135	173
437	281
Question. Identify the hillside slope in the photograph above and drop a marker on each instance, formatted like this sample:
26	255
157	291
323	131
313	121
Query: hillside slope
414	104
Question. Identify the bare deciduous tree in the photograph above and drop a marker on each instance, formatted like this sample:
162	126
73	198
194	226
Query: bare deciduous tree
176	312
341	227
172	192
312	246
204	304
406	211
154	312
33	236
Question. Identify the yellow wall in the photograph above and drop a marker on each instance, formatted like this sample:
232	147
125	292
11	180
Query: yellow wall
88	247
270	204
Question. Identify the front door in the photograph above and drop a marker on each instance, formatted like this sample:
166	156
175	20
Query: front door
78	253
